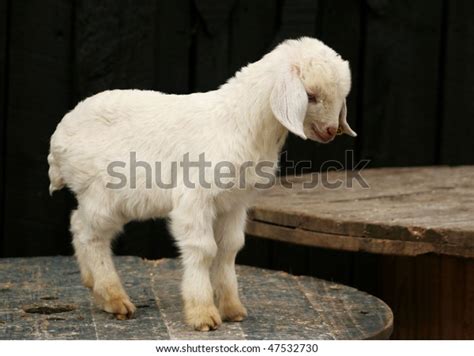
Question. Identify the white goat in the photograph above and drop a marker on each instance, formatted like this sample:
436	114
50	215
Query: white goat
300	86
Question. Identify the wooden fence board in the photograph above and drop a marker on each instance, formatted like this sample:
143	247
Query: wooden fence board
401	77
457	145
114	45
211	44
4	9
252	29
172	47
39	94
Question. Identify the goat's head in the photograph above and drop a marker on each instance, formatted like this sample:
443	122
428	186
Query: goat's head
309	95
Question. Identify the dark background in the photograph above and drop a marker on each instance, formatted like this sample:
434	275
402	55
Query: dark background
412	99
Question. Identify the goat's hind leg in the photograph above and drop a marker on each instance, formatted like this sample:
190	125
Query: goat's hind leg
77	230
91	242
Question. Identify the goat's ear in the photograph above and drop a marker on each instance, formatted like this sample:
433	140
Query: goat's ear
289	101
343	121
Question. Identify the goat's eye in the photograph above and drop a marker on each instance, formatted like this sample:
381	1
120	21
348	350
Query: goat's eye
312	98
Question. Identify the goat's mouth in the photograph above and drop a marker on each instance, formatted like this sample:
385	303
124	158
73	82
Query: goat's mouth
320	136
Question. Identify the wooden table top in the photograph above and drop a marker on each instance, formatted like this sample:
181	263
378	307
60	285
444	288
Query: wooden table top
42	298
405	211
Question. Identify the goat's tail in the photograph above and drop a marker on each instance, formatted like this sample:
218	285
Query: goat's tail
55	178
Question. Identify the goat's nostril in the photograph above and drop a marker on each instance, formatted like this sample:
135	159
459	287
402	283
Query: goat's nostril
331	130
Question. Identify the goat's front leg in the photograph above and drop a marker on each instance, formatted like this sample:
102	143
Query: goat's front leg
229	232
192	229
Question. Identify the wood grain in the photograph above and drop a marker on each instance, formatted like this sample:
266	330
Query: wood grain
42	299
406	211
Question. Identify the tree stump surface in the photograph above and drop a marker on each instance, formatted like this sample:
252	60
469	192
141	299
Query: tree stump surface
401	211
42	298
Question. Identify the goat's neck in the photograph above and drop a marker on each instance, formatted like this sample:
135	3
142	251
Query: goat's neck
261	133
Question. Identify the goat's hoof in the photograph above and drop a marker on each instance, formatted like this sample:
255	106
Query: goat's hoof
233	311
119	305
203	318
123	309
87	280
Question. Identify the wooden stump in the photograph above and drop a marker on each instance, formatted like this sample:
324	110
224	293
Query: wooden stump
42	298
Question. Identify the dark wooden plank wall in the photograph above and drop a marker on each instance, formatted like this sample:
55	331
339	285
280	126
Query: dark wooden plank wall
39	91
411	100
457	124
4	37
402	60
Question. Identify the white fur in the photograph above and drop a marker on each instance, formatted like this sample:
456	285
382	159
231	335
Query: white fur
246	119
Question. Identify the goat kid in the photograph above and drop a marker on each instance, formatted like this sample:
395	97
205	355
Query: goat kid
300	86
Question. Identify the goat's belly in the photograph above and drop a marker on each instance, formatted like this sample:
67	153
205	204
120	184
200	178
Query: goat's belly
245	189
231	199
143	204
